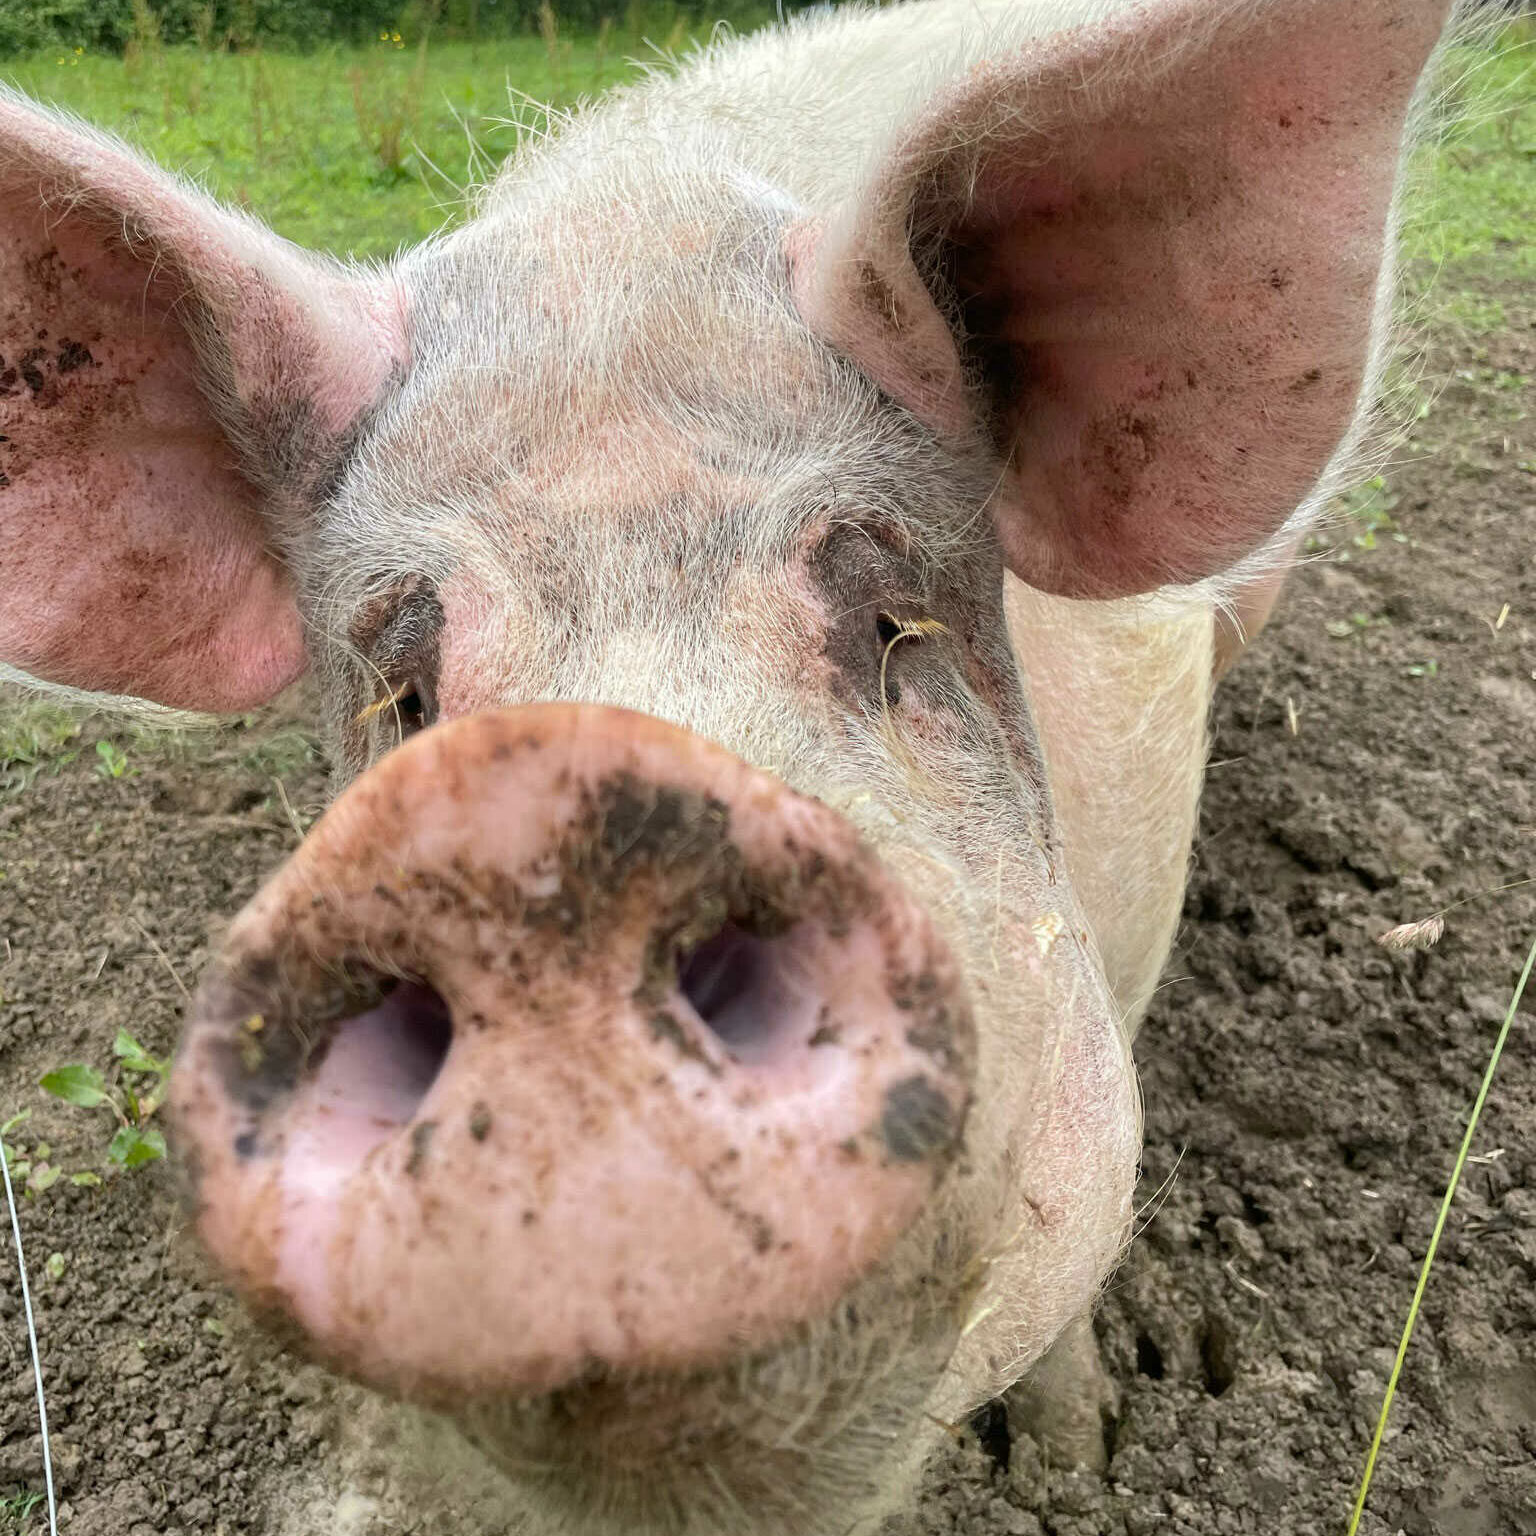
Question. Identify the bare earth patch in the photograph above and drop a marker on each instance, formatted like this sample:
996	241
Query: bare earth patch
1304	1091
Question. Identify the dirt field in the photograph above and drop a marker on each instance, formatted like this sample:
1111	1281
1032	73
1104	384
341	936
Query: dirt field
1305	1090
1371	763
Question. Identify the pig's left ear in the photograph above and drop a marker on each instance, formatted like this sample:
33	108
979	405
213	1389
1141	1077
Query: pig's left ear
1146	257
176	383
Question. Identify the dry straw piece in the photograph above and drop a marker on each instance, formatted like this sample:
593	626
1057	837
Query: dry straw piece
1421	935
1426	933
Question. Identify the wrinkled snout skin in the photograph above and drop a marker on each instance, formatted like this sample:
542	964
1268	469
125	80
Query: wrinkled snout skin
762	574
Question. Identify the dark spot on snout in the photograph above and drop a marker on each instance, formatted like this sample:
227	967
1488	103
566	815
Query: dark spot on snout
658	827
933	1027
73	355
31	374
259	1059
480	1122
667	837
271	1028
421	1138
665	1026
917	1121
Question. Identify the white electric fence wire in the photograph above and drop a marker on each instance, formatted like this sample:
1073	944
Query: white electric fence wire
37	1364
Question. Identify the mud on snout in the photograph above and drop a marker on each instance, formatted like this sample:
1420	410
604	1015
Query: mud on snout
567	1047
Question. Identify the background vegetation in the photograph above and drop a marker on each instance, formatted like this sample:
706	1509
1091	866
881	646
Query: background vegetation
356	147
117	26
362	146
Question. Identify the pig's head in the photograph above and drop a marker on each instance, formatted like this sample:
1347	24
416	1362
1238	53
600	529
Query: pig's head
688	1058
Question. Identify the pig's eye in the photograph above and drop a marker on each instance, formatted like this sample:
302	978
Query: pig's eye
414	707
396	638
887	633
413	711
404	710
891	633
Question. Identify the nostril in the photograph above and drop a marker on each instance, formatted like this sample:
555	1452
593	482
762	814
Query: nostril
410	1032
378	1069
719	971
744	987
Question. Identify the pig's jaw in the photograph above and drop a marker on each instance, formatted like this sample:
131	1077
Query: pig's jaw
747	1448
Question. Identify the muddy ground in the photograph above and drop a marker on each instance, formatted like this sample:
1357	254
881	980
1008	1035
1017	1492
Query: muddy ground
1371	763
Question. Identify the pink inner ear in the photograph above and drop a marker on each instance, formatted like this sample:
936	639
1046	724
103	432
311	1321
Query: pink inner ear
1166	235
1183	337
135	547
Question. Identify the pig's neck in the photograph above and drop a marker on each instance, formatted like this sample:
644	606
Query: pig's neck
1120	693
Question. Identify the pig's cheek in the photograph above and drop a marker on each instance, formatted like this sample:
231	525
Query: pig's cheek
1086	1160
1066	1213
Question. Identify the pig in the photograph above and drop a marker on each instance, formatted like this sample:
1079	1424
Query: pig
765	572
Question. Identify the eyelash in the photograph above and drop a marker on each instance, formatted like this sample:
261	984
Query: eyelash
890	630
410	706
401	657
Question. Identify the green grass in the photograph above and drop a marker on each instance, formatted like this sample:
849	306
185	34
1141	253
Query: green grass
20	1514
1470	223
35	735
354	150
363	150
280	755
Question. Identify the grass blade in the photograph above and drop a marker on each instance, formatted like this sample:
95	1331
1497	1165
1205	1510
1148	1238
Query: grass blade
1434	1240
37	1364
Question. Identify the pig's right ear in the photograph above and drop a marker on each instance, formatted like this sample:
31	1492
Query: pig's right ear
174	381
1144	257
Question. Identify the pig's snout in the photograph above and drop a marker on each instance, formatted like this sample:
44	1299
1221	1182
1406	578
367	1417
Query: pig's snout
567	1042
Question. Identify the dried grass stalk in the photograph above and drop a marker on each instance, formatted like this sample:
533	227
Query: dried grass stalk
1424	934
